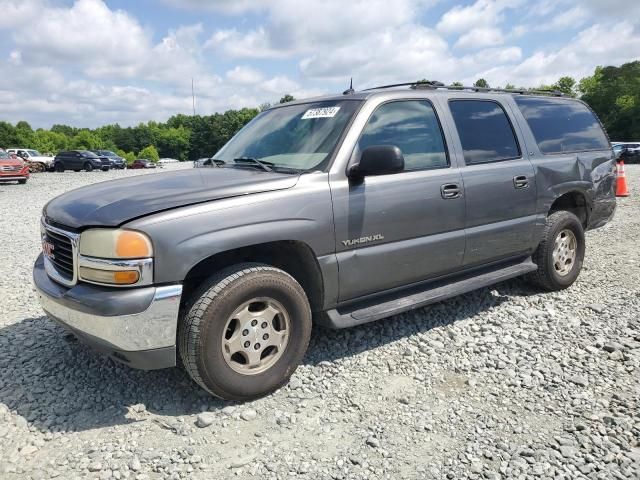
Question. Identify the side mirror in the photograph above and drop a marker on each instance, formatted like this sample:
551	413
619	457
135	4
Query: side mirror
377	160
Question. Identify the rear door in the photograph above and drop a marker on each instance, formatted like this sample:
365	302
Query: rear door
499	181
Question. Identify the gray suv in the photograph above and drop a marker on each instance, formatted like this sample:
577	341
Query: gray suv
339	210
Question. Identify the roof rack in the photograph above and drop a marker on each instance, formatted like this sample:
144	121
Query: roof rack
435	85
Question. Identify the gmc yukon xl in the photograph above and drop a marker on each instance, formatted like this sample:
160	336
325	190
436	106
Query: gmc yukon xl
339	210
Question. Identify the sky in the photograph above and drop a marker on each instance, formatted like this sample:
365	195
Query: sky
88	63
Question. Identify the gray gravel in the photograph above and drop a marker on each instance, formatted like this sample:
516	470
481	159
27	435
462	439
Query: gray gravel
501	383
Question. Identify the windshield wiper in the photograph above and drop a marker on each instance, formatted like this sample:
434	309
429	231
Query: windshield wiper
266	166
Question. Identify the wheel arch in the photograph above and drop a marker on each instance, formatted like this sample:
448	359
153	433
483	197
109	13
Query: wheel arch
292	256
574	201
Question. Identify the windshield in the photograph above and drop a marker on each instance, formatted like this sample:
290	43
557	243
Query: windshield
106	153
34	153
4	154
88	154
301	137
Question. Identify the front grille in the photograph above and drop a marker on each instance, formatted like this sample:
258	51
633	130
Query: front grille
10	168
62	254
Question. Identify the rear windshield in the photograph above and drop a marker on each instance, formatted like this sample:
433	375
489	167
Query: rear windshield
562	126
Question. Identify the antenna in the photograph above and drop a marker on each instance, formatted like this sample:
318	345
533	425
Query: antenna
193	98
350	90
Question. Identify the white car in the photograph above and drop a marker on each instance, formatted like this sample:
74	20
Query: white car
33	156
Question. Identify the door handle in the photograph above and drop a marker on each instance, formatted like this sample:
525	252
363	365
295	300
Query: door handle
450	190
520	181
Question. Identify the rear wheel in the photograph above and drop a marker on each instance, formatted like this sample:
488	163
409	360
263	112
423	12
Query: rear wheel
245	331
561	252
88	167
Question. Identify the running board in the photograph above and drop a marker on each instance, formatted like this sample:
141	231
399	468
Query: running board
432	293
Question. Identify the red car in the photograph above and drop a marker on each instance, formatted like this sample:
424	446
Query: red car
12	168
143	163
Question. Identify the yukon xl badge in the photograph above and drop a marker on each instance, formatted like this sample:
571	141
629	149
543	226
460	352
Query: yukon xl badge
361	240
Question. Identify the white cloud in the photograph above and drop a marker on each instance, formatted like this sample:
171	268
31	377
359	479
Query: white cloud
88	32
480	38
244	75
295	27
591	47
483	13
85	63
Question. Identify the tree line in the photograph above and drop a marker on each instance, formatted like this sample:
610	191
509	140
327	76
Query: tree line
612	92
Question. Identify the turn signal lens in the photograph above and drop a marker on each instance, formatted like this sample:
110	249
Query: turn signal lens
120	277
132	245
105	243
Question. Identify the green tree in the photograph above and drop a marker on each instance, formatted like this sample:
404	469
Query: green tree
456	84
8	137
150	153
47	141
287	98
566	85
24	134
85	140
614	94
510	86
174	142
481	83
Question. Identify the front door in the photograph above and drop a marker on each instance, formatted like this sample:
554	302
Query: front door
499	182
397	229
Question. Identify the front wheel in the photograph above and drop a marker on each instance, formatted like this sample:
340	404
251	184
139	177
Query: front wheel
58	167
88	167
245	331
560	254
22	181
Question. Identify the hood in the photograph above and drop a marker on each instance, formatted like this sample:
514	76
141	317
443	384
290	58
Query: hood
9	162
113	203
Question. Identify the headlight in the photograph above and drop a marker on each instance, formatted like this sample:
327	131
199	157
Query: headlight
115	257
103	243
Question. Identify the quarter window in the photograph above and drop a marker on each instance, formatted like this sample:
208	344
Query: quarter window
413	127
485	131
562	126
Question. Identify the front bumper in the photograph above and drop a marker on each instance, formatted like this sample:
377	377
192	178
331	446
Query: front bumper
13	178
135	326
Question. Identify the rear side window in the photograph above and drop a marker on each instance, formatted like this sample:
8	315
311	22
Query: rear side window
485	131
562	126
412	126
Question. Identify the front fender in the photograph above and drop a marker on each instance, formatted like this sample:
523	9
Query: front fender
183	237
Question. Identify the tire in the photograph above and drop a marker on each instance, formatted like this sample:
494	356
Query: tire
554	275
210	314
58	167
22	181
88	167
76	169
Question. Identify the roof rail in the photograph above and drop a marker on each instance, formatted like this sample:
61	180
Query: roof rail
435	85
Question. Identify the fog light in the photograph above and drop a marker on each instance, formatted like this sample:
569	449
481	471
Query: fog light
117	277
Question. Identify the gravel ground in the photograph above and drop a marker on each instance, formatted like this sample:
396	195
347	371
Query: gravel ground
504	382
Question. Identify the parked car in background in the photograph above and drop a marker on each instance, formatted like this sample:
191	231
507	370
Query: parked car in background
116	160
203	162
166	161
33	156
627	151
77	160
143	163
12	168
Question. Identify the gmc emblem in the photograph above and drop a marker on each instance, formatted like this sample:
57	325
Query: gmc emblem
47	249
